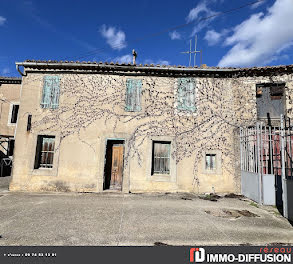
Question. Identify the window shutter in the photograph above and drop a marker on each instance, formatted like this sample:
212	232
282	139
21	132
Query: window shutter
190	104
137	96
186	94
38	152
133	95
51	91
46	92
129	93
55	91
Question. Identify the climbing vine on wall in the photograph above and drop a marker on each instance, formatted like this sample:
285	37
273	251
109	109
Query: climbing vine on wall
222	105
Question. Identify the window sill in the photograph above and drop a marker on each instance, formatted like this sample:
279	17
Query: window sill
44	172
160	177
215	171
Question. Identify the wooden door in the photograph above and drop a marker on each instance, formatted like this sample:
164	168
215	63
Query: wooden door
117	167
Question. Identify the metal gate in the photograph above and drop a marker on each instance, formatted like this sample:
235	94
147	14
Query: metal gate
267	165
287	168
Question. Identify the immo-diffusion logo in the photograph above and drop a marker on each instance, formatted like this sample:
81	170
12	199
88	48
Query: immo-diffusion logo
197	255
273	255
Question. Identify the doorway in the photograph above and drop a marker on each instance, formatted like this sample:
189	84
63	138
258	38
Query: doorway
113	174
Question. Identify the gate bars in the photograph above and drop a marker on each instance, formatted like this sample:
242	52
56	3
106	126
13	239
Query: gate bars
268	150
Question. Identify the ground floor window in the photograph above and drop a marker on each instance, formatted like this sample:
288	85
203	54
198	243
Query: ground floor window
161	157
210	162
45	152
11	147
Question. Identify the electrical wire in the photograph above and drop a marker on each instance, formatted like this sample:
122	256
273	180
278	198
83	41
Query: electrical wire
99	50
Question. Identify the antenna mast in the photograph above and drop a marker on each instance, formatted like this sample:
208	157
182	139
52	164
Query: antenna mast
190	52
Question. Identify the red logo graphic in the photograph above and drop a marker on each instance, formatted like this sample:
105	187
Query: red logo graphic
197	255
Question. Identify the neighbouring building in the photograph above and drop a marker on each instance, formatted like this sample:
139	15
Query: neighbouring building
9	106
91	127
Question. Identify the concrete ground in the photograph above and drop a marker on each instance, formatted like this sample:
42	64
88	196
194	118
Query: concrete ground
136	219
4	183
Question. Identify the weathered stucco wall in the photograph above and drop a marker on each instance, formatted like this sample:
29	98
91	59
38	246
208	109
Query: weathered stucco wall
92	110
11	92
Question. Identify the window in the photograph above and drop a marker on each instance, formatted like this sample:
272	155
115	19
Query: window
14	114
45	152
133	95
161	157
10	147
270	100
51	90
210	162
186	94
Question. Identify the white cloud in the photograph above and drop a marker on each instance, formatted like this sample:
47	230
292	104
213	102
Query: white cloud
124	59
175	35
257	4
256	40
213	37
115	38
2	20
195	14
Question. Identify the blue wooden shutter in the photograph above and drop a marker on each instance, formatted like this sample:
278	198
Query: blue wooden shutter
186	94
137	95
46	97
51	91
55	92
133	95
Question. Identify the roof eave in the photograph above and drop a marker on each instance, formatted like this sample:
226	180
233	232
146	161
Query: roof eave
119	67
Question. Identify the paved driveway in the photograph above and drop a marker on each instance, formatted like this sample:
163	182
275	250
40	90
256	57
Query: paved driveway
136	219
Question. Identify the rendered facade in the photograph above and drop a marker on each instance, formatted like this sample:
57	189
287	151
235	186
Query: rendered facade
93	127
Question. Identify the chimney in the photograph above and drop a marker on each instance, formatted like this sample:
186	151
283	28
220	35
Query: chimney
134	56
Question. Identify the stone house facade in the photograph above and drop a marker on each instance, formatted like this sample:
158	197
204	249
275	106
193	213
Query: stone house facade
9	106
93	127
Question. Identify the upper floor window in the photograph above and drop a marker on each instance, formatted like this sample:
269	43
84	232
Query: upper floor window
270	100
133	95
13	114
186	94
51	91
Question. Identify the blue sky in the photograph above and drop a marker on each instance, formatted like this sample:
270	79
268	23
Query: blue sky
261	34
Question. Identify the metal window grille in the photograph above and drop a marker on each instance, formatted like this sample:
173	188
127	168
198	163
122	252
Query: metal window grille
161	157
45	152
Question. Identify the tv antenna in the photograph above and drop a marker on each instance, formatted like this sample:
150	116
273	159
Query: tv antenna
190	52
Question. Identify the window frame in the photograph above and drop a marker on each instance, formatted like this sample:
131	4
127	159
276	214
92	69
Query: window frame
10	113
153	172
269	102
218	162
172	176
212	161
39	152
